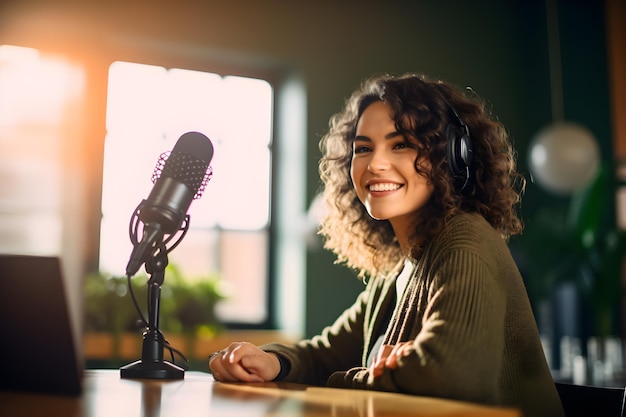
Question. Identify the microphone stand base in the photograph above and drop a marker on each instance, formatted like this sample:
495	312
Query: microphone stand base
152	370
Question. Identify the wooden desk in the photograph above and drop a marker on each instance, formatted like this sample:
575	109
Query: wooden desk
107	395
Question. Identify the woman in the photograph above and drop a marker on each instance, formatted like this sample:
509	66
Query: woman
421	190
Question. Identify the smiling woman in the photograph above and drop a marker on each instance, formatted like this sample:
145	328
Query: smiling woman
421	188
384	172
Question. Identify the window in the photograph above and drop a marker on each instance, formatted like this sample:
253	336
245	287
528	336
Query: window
37	97
148	109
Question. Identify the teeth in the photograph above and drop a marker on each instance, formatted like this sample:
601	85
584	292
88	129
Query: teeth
384	187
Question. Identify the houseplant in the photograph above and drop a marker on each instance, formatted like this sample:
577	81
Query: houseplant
187	306
580	245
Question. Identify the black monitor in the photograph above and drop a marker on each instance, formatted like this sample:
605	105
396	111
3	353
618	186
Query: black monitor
37	349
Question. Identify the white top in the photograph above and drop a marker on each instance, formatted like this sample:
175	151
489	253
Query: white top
403	278
401	282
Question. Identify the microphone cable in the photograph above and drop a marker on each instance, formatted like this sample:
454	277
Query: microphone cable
163	342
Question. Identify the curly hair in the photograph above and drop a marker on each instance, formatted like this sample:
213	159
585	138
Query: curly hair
422	109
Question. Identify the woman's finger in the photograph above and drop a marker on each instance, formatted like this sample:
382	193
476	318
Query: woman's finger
392	358
378	366
228	363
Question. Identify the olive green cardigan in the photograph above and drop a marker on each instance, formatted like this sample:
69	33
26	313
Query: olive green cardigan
466	311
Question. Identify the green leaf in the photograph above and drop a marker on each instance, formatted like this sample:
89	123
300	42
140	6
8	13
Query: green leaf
588	206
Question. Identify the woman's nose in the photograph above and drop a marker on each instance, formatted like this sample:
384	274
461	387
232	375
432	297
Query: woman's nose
378	162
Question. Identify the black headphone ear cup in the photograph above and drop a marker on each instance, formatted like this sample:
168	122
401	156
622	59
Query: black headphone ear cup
467	152
460	151
453	139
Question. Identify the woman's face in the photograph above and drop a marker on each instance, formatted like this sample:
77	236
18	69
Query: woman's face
383	170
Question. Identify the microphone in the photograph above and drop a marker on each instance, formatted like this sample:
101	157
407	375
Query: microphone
179	177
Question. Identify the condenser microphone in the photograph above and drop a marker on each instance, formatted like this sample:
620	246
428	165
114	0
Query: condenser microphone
179	177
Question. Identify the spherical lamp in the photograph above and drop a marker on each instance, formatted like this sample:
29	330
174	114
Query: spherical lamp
564	157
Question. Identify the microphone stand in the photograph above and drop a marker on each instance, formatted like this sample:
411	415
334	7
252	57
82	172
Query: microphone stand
152	365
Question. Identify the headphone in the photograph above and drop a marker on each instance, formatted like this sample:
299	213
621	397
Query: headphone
459	147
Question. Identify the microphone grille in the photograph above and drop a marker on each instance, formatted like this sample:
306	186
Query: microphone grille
185	168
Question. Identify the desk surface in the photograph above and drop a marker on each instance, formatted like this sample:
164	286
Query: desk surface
107	395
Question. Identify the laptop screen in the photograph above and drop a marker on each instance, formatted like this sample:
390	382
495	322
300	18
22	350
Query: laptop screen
37	347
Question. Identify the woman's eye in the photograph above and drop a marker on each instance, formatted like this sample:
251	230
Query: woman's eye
400	145
361	148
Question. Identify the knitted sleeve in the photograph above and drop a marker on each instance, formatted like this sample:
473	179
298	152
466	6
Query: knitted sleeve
338	347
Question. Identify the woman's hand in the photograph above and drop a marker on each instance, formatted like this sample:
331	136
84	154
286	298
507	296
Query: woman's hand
388	357
243	361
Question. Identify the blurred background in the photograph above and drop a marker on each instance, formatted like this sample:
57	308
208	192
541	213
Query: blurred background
92	92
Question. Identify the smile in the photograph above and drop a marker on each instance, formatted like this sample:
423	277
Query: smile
384	187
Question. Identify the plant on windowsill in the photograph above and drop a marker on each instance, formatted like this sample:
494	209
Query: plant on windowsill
187	306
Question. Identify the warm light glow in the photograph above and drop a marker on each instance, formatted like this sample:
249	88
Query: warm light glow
36	94
13	54
34	90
